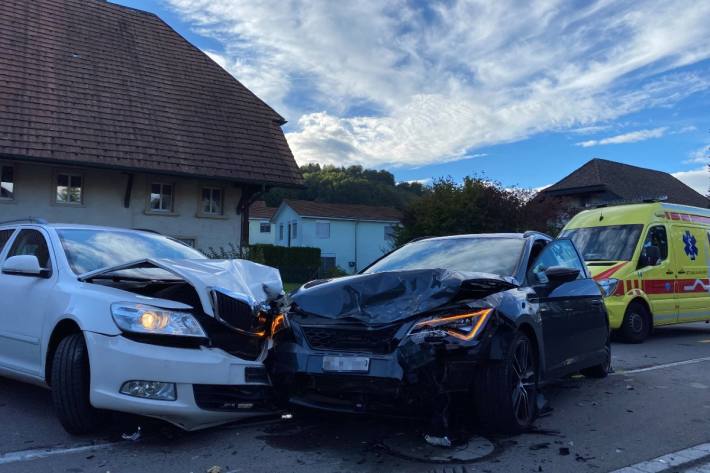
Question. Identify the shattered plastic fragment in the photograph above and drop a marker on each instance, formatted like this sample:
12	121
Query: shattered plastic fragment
437	441
135	436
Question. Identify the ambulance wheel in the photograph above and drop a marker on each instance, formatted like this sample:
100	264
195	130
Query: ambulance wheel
637	324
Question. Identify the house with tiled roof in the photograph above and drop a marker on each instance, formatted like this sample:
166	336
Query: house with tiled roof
350	237
601	181
261	230
108	116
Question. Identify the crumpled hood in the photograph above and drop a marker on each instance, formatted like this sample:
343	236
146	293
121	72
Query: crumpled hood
251	281
381	298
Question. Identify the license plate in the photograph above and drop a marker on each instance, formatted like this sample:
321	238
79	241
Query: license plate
346	363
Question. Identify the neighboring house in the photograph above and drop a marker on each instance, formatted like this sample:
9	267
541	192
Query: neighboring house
108	116
349	236
261	230
603	182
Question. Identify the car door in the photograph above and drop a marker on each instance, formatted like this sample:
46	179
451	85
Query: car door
690	248
656	270
573	317
24	300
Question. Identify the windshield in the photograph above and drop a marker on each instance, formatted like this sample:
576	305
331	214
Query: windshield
485	255
90	249
611	243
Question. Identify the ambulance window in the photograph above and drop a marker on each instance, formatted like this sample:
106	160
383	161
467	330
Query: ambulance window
657	238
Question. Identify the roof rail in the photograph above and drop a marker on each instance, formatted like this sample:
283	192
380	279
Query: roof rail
40	221
535	232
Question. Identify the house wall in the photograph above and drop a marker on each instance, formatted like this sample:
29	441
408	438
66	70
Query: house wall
350	241
103	196
255	235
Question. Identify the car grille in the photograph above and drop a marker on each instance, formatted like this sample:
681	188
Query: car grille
213	397
237	314
379	340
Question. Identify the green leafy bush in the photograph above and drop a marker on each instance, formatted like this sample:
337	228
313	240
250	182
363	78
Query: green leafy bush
297	264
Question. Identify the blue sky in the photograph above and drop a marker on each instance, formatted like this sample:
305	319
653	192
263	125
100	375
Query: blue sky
523	93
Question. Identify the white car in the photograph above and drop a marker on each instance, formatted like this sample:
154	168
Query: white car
132	321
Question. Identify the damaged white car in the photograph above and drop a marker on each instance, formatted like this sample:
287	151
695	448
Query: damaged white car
132	321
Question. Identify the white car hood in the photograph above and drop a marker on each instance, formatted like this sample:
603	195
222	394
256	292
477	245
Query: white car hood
252	282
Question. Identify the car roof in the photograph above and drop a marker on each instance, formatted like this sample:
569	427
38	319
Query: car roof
65	226
519	236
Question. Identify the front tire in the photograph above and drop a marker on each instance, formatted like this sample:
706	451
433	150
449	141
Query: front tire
505	393
637	324
70	387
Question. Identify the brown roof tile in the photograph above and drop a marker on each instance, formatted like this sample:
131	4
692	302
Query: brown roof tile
259	210
630	183
307	208
91	82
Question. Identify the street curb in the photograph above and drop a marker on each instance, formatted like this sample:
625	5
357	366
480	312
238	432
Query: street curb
676	461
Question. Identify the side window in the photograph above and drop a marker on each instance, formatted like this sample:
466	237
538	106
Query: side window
655	247
5	237
557	253
31	242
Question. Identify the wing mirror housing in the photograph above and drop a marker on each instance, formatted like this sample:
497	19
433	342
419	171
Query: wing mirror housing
557	275
24	265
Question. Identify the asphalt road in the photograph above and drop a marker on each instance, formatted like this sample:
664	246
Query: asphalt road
645	410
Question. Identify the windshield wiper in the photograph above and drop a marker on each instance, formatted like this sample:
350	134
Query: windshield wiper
117	277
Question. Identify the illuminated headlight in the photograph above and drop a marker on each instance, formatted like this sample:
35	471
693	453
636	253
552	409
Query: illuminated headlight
463	326
145	319
608	286
150	390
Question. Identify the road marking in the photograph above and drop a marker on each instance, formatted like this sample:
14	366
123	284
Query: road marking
34	454
663	366
670	461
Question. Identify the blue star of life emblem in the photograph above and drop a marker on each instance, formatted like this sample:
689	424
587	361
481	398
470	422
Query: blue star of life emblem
690	245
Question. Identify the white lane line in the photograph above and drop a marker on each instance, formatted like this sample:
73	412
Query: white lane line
670	461
27	455
663	366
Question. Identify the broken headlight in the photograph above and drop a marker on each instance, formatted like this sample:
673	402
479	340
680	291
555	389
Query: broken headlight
462	326
279	323
145	319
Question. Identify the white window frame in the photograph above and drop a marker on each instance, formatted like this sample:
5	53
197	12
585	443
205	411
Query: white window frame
211	213
14	181
261	226
160	211
294	230
70	175
319	234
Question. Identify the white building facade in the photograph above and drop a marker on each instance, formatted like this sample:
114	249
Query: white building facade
350	237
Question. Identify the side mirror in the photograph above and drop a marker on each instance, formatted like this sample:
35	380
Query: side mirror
24	265
650	256
557	275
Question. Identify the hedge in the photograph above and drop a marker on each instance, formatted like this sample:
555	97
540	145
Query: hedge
297	264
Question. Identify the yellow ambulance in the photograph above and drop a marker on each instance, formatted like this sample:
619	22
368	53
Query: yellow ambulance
652	260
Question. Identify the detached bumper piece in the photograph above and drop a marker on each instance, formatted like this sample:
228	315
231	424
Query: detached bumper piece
226	398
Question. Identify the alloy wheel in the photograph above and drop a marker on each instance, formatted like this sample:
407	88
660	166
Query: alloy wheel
524	382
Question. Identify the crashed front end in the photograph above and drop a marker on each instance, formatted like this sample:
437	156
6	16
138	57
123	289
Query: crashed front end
194	335
391	343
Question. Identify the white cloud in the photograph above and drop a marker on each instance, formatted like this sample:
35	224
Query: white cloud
700	155
631	137
698	179
399	82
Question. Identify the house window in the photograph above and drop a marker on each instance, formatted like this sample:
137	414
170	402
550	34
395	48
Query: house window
281	231
161	197
191	242
7	182
69	188
390	233
323	229
212	200
294	230
264	227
